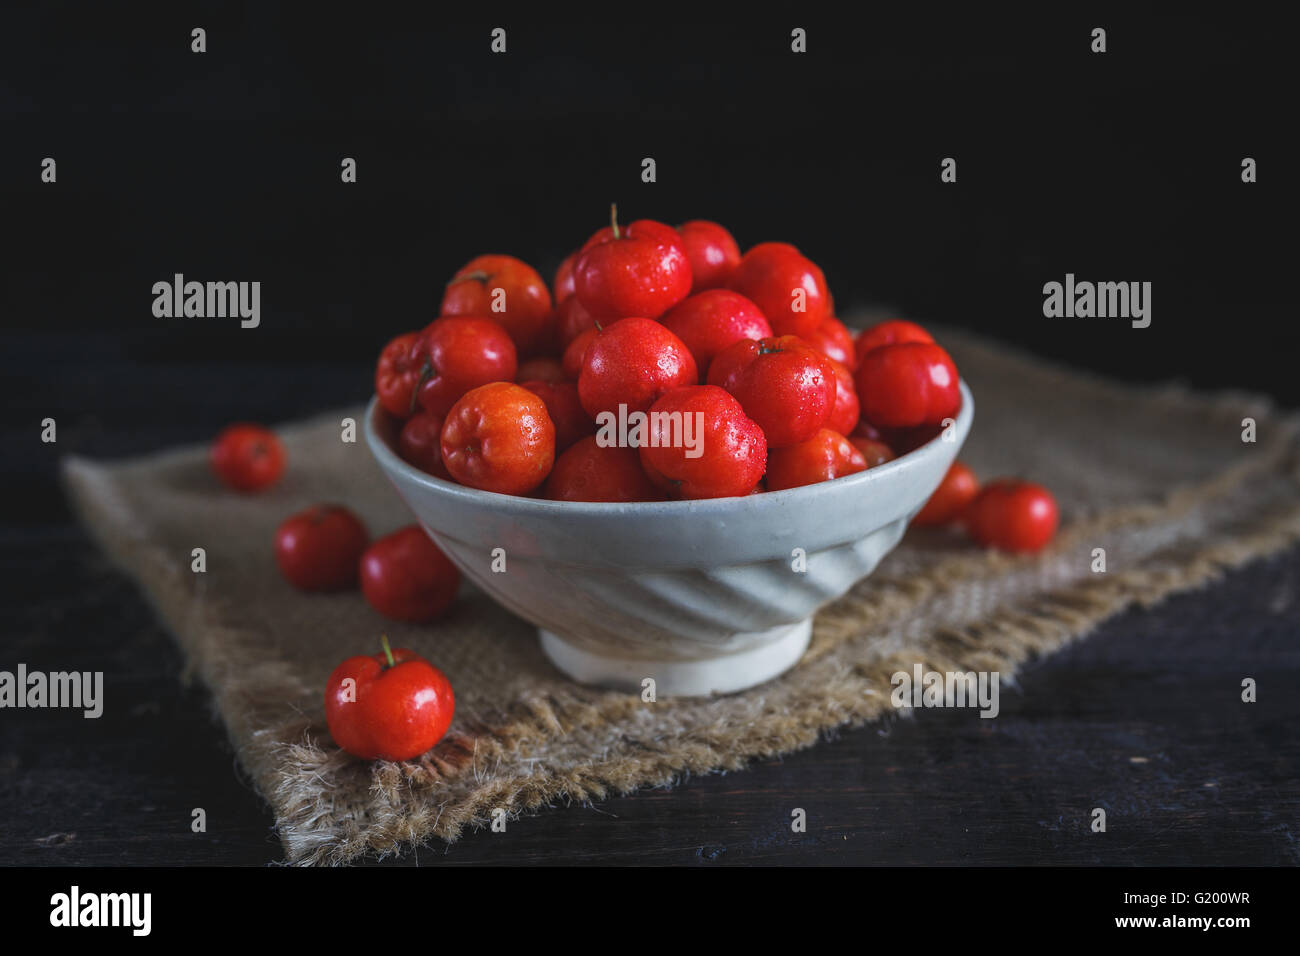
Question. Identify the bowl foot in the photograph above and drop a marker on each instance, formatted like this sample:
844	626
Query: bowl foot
779	650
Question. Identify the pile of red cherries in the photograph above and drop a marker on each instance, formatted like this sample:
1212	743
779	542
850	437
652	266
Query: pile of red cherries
589	390
579	391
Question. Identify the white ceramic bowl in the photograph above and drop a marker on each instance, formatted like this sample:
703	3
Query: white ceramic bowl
701	596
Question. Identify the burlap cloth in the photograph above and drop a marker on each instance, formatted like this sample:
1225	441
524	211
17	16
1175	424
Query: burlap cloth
1159	478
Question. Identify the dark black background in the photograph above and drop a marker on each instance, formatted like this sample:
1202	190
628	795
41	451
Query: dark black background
225	166
1123	166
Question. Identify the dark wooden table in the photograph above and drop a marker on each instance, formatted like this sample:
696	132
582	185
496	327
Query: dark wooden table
1143	718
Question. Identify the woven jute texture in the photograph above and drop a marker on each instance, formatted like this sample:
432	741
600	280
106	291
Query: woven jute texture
1158	477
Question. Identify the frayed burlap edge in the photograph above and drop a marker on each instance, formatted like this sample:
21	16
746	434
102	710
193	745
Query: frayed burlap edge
298	777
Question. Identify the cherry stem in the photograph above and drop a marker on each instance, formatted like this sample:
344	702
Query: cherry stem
388	651
613	218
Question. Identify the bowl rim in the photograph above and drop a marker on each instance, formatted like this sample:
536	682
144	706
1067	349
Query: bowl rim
389	460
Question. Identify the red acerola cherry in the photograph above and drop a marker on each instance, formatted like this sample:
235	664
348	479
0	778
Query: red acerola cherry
788	288
639	269
889	332
846	413
406	577
318	549
834	340
710	321
389	706
902	386
873	452
865	429
632	363
781	382
589	471
575	352
247	457
543	368
1012	515
509	291
562	404
459	353
499	437
825	456
571	320
957	490
712	252
562	287
719	453
420	443
397	374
